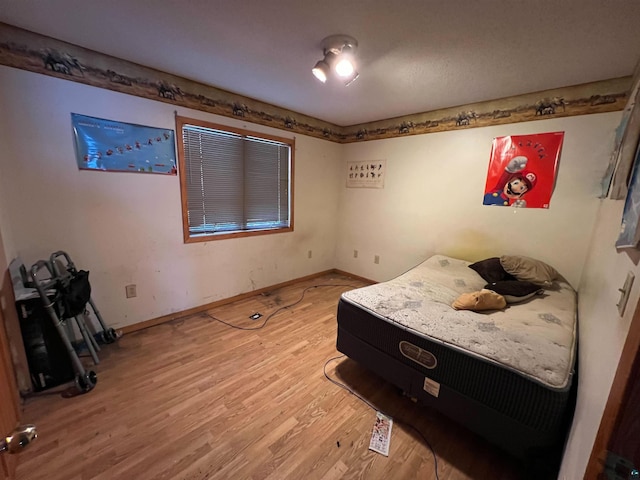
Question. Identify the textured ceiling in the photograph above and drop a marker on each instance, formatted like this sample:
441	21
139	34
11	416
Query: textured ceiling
413	56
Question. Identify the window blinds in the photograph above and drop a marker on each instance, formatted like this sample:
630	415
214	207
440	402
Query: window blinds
234	182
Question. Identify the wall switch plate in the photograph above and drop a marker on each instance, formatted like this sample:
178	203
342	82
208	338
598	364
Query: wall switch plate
376	259
309	254
355	254
624	293
130	291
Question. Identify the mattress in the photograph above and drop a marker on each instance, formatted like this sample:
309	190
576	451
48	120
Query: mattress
516	364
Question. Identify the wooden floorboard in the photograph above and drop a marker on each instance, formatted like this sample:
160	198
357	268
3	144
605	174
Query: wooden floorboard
196	399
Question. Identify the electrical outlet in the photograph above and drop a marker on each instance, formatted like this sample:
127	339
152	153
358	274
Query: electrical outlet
309	254
376	259
355	254
130	290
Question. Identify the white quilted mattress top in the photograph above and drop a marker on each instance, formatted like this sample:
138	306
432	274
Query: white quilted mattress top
536	338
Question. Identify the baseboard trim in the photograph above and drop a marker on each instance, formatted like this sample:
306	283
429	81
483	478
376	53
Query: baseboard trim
191	311
355	277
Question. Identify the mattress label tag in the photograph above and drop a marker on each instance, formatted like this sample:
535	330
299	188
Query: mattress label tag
418	355
431	387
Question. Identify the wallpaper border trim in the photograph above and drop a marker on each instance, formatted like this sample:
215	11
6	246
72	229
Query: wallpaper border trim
40	54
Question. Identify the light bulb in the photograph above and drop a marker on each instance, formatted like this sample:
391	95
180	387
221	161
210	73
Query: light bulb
320	71
319	74
344	67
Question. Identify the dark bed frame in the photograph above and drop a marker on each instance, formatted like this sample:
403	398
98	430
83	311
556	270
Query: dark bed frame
510	410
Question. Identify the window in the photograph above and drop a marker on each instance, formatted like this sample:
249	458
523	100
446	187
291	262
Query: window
233	182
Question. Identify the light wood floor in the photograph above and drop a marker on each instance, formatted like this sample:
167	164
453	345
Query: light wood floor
196	399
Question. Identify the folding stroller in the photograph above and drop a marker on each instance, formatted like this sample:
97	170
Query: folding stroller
71	275
65	295
51	292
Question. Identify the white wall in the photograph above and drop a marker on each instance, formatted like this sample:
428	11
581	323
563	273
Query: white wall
5	158
602	332
432	200
127	227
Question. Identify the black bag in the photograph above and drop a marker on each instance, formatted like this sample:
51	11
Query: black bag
75	296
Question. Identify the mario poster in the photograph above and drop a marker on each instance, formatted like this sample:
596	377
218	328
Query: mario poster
522	170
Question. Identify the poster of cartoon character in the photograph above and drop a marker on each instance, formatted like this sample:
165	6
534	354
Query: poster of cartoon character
522	170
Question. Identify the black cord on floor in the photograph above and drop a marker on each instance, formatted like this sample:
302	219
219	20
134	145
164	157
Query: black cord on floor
272	314
342	385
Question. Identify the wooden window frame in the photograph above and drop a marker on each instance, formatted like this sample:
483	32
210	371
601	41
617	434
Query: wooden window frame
187	235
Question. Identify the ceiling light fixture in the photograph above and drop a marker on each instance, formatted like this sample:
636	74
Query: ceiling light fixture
338	57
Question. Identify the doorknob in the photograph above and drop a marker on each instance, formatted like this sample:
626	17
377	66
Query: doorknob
18	439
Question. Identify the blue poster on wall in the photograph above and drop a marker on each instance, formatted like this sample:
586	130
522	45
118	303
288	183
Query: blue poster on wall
123	147
629	232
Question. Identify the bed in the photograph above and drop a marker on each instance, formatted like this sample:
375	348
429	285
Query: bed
508	375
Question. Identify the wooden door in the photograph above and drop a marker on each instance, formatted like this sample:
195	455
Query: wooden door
619	431
9	406
9	396
624	441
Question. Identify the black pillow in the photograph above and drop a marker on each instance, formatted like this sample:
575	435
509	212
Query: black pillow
491	270
514	290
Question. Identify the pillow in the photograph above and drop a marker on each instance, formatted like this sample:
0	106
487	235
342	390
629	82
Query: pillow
514	291
528	269
491	270
481	300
